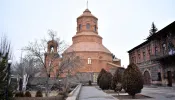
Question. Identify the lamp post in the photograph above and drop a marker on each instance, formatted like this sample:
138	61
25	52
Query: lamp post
8	77
59	84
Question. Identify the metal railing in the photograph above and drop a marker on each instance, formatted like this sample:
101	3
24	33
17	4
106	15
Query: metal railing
160	55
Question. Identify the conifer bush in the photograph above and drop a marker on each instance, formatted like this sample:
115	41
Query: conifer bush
39	94
105	81
5	55
19	94
28	94
100	74
132	81
117	78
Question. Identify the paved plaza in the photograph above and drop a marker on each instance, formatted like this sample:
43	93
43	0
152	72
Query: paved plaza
157	93
92	93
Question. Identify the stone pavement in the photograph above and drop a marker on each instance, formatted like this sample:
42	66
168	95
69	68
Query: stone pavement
159	93
92	93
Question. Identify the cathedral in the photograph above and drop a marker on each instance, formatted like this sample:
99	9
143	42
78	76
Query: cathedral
88	45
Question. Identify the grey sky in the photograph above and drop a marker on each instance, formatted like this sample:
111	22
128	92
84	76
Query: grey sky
123	24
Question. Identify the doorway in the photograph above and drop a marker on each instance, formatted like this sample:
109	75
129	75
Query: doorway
147	78
169	77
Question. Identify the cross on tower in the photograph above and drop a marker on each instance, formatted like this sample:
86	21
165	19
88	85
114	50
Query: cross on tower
87	4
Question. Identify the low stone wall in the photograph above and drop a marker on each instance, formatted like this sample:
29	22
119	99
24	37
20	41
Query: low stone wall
75	93
40	98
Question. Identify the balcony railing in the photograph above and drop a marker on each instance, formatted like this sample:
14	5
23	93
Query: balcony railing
159	55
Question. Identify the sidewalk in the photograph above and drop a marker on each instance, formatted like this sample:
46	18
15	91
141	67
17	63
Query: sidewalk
159	93
91	93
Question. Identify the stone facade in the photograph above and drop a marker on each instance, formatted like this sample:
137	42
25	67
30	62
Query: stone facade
155	56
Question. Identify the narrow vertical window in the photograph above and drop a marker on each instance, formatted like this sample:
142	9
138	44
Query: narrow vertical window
164	48
79	27
87	26
132	59
156	50
144	56
89	61
95	28
138	58
149	52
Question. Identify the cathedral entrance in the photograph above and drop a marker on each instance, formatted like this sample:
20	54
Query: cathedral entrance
147	78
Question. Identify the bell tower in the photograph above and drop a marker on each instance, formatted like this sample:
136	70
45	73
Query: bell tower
52	58
52	46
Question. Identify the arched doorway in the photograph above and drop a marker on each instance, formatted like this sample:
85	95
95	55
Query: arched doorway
147	78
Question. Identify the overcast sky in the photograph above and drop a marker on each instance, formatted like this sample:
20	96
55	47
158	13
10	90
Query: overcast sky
123	24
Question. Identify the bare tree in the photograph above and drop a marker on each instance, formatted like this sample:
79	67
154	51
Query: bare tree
38	49
26	69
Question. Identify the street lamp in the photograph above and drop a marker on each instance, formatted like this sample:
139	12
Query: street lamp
59	84
9	64
8	77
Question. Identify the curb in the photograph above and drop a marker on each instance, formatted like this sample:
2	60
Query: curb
75	93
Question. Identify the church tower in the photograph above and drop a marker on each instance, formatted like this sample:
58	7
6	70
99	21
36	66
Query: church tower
52	58
87	44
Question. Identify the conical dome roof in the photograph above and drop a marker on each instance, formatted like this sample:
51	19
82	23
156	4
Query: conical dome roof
87	47
87	13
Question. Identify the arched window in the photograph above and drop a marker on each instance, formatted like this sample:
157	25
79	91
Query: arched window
79	27
95	28
88	26
51	48
89	61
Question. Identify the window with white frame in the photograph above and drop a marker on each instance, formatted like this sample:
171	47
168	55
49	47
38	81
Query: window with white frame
89	61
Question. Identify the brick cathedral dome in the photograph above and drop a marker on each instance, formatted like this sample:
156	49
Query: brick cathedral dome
87	38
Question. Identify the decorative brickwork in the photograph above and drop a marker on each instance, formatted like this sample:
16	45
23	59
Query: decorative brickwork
87	44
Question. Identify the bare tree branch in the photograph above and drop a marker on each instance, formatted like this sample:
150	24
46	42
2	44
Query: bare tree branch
38	50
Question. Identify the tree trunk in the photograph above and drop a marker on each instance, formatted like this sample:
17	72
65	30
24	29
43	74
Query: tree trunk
25	81
47	86
133	96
